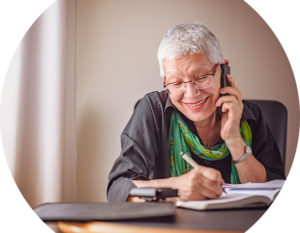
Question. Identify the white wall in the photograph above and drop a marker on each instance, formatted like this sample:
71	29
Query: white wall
116	65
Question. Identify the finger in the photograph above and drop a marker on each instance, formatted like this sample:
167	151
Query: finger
211	187
231	81
209	192
211	180
189	195
232	91
213	183
222	182
194	197
226	99
227	107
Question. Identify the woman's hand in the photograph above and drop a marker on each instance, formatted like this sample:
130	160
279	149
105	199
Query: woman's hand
199	184
232	108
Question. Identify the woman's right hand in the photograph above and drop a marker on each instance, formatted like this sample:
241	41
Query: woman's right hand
199	184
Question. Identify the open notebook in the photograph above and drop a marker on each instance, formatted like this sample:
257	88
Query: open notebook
239	196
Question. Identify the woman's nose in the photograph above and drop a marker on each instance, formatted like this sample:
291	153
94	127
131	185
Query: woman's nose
190	90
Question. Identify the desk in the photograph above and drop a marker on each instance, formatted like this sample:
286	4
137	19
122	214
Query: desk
219	220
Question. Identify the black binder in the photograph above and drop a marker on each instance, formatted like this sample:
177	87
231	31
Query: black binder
111	211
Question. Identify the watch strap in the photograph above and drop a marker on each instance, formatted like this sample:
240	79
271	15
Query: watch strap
246	155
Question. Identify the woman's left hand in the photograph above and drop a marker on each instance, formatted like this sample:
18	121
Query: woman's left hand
232	108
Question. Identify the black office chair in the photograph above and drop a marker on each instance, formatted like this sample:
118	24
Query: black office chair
275	114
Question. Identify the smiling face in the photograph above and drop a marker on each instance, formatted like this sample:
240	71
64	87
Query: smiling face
196	104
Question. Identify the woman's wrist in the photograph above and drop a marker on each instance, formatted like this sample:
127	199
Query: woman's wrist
236	147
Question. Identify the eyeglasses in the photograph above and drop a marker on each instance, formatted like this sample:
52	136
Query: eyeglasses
201	82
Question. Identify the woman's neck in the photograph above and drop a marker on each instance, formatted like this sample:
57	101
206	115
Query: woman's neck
209	129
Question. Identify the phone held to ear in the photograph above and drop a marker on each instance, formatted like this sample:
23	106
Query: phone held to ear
225	69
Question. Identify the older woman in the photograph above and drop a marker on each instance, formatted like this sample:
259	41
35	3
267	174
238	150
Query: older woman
225	135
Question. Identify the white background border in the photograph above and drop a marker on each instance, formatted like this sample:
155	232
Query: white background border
16	16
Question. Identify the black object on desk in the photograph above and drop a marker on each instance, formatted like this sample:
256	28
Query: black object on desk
153	194
112	211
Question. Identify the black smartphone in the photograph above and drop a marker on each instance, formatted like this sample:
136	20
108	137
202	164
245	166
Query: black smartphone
225	69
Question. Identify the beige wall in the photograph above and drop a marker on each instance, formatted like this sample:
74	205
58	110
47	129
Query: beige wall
116	65
37	110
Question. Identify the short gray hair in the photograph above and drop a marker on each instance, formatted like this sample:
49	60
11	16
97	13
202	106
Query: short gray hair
189	38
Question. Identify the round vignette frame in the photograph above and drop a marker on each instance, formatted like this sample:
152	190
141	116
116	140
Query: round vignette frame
293	167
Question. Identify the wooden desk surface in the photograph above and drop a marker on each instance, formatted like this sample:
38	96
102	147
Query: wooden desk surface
212	221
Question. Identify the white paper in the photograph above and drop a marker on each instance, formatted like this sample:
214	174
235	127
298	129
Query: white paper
273	184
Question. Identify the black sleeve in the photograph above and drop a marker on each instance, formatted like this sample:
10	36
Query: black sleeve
264	147
139	145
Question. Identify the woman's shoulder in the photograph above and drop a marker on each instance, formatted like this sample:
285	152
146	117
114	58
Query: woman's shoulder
251	110
161	96
251	105
157	99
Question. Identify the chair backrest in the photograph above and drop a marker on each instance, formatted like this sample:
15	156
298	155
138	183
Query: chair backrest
275	114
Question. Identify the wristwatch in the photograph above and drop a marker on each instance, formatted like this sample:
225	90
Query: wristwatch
246	155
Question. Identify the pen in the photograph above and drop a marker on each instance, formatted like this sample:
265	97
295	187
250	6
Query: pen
192	162
189	160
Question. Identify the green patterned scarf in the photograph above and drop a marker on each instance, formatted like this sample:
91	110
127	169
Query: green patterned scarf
182	139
